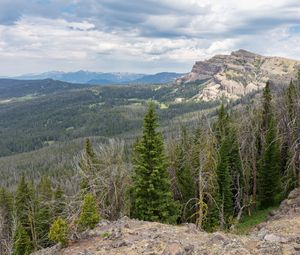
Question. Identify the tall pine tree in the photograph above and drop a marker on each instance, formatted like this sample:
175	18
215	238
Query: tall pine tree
151	192
269	165
185	177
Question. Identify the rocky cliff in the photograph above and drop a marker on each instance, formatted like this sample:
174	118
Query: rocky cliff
280	235
235	75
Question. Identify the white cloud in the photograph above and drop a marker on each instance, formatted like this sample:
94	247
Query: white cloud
141	35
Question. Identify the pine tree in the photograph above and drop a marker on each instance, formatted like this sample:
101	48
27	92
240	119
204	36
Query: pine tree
270	168
291	100
229	169
225	196
23	203
235	169
22	243
152	198
89	216
59	202
59	231
185	177
289	159
269	163
43	215
87	165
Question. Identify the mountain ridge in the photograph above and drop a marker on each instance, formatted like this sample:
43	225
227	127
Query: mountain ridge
238	74
102	78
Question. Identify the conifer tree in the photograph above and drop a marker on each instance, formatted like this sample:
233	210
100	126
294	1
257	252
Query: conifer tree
291	98
229	169
59	231
269	164
59	202
88	165
43	215
22	203
185	176
89	216
22	243
269	170
152	198
225	196
288	155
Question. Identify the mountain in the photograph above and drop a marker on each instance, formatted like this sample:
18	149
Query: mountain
158	78
12	88
98	78
238	74
83	77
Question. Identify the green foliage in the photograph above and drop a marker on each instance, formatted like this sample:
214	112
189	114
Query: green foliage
291	100
185	177
59	202
224	177
59	231
22	244
23	203
151	192
270	162
89	216
269	168
88	167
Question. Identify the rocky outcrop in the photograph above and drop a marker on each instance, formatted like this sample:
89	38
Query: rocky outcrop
238	74
280	235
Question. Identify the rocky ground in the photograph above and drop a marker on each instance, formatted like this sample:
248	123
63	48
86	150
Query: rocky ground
279	235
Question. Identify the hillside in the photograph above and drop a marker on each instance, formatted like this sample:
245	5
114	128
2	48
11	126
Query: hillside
238	74
49	111
277	236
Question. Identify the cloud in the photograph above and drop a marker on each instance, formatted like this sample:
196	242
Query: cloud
140	35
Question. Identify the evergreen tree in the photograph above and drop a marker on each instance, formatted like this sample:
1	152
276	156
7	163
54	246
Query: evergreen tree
269	163
22	243
23	203
270	167
225	196
59	231
185	177
43	215
291	100
88	167
89	216
235	169
151	192
59	202
229	169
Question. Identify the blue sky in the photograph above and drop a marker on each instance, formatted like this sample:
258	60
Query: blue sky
145	36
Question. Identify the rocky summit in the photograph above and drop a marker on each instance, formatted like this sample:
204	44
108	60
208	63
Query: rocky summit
279	235
238	74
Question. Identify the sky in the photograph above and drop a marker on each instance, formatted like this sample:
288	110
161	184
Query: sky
141	36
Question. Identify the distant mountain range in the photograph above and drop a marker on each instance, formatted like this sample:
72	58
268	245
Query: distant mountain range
99	78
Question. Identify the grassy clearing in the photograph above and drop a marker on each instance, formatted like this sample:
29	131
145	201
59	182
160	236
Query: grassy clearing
249	222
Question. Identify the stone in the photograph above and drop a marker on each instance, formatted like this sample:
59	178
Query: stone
174	249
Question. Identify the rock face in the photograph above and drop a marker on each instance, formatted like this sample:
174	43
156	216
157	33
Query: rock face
238	74
280	235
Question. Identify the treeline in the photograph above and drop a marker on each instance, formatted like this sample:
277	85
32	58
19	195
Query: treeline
245	159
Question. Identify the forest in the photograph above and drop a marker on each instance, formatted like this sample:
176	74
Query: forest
231	163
